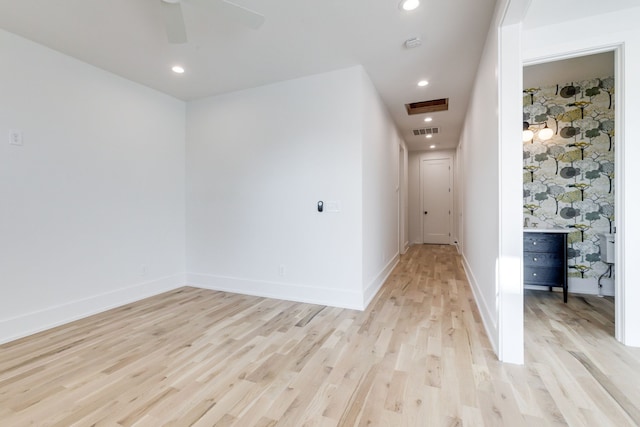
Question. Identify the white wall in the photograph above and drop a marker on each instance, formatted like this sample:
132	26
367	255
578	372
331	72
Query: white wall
479	158
93	213
92	205
415	209
258	161
380	191
607	31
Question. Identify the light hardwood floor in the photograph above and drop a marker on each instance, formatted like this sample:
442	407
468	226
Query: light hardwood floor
418	356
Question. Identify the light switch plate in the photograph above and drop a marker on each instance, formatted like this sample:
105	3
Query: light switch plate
332	206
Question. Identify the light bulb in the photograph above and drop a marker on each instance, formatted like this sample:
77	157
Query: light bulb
545	134
527	135
409	4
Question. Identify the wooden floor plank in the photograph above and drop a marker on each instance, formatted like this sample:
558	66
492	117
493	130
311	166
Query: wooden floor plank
418	356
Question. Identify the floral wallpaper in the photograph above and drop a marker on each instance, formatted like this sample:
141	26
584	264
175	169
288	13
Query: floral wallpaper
569	179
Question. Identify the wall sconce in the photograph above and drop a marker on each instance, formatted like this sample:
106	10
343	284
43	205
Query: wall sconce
544	134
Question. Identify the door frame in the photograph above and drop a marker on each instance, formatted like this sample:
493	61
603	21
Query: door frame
511	59
618	160
402	197
449	158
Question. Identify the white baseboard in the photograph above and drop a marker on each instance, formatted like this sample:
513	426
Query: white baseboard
372	288
488	319
577	285
405	247
285	291
590	286
38	321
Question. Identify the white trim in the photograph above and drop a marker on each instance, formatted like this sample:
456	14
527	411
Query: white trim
372	288
38	321
488	320
577	285
284	291
619	198
510	292
402	196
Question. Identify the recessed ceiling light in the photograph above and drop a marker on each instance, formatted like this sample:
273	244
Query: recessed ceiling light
429	136
423	83
432	146
428	119
413	42
409	4
177	69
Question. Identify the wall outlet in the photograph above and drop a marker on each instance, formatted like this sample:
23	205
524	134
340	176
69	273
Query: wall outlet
15	137
282	270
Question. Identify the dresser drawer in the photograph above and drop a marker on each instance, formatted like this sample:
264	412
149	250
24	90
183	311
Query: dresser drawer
539	242
543	259
548	276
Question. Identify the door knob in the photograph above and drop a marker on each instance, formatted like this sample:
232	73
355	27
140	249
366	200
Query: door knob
425	212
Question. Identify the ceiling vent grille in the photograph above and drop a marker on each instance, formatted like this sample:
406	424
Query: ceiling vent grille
426	131
423	107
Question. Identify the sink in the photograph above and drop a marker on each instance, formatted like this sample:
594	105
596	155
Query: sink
545	230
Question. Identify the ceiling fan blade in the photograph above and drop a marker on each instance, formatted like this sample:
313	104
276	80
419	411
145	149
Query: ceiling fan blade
174	22
241	14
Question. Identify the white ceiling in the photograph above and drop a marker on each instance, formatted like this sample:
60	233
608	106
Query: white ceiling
569	70
298	38
549	12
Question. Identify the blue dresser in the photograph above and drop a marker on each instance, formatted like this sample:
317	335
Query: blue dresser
545	259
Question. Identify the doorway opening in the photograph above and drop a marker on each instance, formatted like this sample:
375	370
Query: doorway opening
569	172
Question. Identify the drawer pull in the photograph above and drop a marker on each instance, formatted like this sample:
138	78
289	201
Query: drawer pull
535	259
535	243
535	274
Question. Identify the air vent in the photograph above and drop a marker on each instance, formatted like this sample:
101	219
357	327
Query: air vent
426	131
432	106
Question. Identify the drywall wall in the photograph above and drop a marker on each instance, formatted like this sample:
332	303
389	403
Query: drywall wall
381	191
258	162
479	158
93	201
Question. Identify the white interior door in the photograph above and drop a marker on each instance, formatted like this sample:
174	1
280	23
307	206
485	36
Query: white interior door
436	180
